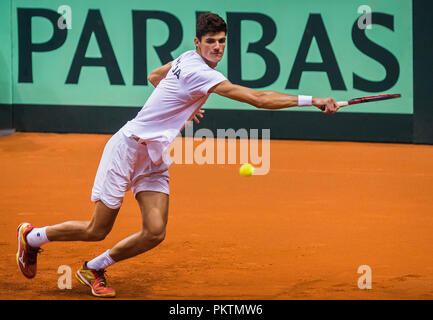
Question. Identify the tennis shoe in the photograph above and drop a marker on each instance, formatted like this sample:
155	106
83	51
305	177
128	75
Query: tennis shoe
26	255
96	280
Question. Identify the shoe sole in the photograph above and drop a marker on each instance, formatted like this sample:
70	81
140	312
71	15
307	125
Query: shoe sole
86	283
20	240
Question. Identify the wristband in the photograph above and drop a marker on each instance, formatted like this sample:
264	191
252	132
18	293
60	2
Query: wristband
305	100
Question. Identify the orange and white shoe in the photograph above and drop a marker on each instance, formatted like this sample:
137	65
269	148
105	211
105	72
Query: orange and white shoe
95	279
26	255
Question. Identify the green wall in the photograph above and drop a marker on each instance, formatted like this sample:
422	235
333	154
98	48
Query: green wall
330	24
5	53
312	47
6	120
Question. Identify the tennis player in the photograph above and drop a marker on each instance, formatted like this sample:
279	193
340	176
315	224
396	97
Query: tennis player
134	159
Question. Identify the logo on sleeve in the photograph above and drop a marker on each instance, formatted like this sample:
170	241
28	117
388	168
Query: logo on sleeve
176	70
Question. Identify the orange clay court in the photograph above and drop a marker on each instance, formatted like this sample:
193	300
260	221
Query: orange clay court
300	232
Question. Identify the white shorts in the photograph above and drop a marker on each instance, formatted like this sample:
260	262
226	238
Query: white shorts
125	164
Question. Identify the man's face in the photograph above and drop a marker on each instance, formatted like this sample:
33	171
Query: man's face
211	47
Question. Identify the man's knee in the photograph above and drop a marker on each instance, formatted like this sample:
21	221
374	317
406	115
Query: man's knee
154	235
94	234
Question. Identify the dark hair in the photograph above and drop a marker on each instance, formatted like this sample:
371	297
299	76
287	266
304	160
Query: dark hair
209	23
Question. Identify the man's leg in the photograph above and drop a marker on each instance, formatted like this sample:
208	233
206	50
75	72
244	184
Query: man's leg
94	230
30	238
154	211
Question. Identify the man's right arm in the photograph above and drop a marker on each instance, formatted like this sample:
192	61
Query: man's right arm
269	99
158	74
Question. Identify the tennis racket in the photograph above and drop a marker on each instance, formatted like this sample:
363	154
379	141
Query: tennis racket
367	99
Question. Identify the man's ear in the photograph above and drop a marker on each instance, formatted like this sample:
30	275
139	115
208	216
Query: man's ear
196	41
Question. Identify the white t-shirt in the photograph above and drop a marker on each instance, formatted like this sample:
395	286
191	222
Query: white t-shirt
173	102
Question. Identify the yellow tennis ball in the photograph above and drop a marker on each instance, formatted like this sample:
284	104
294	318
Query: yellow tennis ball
246	170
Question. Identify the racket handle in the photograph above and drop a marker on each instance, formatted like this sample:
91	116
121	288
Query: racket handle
339	103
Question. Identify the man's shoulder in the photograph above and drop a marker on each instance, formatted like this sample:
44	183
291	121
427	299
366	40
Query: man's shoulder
193	59
187	56
192	63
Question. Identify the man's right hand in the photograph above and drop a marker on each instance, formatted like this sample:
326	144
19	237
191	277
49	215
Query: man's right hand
326	105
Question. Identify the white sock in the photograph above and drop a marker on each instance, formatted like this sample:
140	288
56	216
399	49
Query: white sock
37	237
101	262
